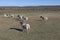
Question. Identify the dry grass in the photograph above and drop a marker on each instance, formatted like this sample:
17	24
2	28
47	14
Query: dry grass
10	29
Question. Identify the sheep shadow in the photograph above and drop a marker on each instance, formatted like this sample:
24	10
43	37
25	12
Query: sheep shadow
38	20
17	29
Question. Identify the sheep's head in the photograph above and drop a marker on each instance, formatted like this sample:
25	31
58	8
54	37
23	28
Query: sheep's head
21	22
18	15
41	16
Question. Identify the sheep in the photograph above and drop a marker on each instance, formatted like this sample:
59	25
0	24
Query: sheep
25	26
21	17
25	18
6	15
12	15
44	18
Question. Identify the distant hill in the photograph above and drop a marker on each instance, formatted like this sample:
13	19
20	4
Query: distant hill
28	8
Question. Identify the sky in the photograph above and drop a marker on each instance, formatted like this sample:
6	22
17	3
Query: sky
28	2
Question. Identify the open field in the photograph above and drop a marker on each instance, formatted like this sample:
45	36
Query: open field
28	9
10	29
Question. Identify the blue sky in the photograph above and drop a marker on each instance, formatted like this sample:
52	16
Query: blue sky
28	2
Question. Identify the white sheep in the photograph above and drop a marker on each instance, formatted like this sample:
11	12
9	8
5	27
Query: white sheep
12	15
25	18
44	18
19	16
25	26
6	15
22	17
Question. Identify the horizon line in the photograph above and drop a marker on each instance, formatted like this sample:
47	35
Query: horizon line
38	5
